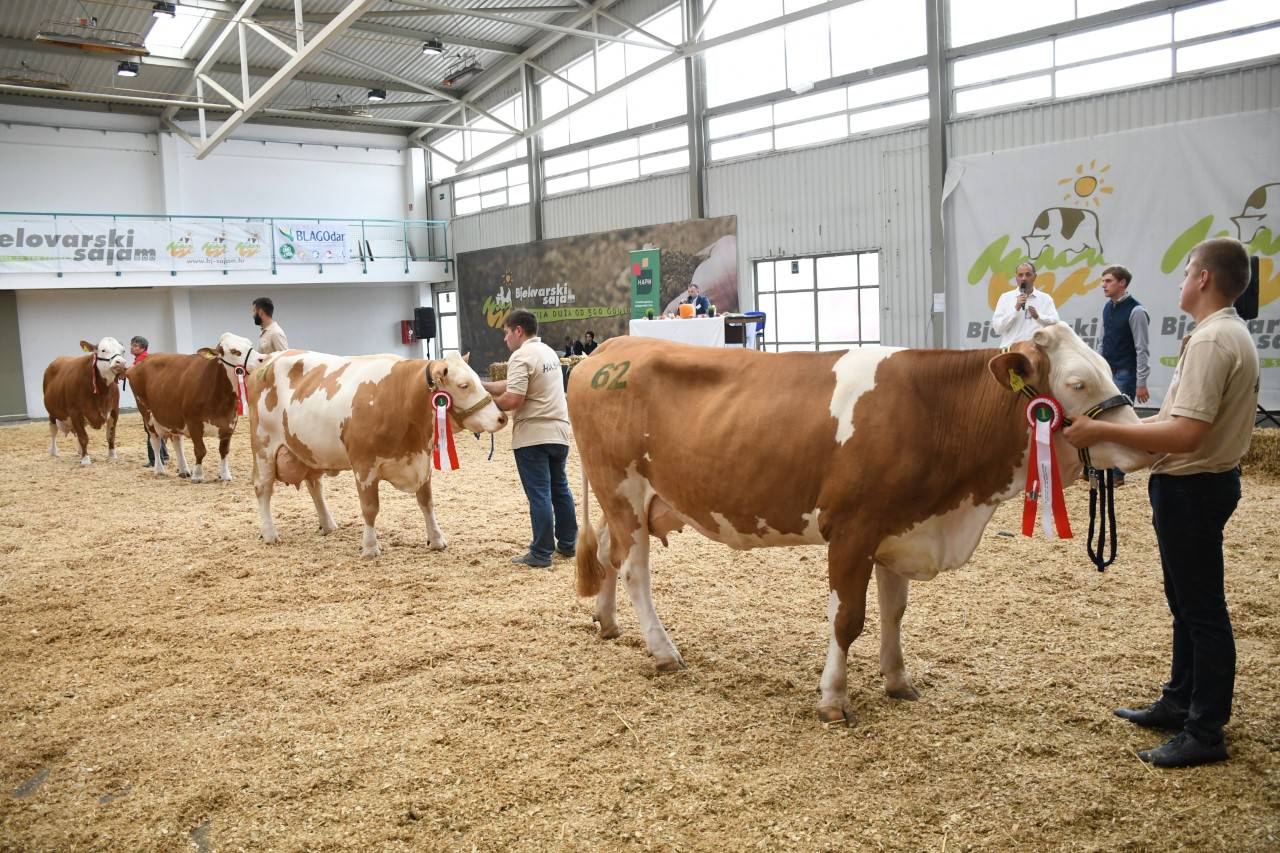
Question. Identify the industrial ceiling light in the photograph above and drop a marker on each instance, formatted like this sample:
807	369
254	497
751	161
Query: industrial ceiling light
164	10
128	69
377	96
432	46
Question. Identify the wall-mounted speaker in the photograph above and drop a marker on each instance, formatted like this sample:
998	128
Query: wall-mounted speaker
424	323
1247	304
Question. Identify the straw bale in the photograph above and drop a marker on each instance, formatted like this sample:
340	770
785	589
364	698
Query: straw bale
1264	453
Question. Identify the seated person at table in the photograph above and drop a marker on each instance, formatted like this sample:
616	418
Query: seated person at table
589	345
572	347
701	305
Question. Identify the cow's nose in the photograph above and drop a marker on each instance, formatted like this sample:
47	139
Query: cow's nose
502	419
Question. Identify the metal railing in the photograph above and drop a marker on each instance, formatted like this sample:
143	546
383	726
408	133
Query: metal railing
121	243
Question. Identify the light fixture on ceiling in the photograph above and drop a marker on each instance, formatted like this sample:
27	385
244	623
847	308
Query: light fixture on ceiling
432	46
377	96
164	10
128	69
461	72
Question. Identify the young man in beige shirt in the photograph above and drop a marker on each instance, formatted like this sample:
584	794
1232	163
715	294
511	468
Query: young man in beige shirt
1203	428
534	392
271	338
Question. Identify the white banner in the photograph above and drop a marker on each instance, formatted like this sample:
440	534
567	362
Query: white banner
102	244
1141	199
311	242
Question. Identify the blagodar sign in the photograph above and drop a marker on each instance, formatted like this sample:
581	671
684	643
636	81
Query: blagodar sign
1141	199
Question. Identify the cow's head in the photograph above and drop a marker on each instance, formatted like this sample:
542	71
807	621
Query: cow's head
235	353
473	409
110	358
1057	363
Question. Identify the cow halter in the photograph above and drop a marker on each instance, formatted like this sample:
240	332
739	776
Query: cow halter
1102	494
93	368
240	370
461	415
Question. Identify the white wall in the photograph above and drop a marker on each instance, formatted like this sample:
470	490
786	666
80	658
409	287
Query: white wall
348	319
79	171
52	323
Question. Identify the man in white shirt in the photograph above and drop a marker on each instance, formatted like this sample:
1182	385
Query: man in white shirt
271	338
1020	312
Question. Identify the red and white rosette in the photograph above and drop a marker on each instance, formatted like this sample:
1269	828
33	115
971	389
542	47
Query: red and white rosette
441	402
241	393
1044	485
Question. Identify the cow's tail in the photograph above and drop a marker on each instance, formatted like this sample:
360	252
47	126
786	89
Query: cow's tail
590	573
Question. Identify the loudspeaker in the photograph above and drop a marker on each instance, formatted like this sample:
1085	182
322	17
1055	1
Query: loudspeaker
1247	304
424	323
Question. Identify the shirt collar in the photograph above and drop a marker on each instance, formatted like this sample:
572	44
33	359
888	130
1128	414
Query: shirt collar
1221	314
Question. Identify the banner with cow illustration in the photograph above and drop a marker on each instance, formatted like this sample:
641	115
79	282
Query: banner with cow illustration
1141	199
583	283
45	243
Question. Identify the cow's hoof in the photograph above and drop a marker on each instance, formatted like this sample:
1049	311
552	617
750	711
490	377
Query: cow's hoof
370	553
197	479
184	474
673	665
438	545
841	713
112	456
86	461
326	529
271	538
902	691
609	630
226	479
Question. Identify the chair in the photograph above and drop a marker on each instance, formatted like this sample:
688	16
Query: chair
760	318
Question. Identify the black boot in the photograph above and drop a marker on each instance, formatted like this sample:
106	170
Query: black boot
1157	715
1185	750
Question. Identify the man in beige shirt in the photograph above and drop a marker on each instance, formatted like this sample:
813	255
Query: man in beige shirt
534	392
1203	428
271	338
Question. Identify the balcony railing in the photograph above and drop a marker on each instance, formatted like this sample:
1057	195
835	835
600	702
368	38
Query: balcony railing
126	243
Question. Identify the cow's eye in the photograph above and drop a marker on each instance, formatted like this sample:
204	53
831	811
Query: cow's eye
463	386
1079	386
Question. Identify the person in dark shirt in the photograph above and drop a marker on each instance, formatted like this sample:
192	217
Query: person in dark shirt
589	345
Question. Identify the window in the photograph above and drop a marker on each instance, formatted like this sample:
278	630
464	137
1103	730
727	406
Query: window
494	189
447	312
615	162
822	117
828	302
484	136
174	37
1129	53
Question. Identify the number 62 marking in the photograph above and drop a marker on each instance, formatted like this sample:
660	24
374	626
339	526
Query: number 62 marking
608	379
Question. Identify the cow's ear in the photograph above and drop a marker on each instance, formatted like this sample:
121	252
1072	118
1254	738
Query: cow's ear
207	353
437	370
466	358
1008	365
88	347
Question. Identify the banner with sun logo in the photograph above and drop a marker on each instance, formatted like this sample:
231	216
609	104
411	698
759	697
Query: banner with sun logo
1141	199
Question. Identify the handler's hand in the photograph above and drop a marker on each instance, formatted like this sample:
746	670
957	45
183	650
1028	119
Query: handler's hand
1083	432
1033	313
1142	394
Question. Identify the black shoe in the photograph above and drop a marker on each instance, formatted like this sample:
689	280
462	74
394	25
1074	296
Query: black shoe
531	561
1185	750
1157	715
568	555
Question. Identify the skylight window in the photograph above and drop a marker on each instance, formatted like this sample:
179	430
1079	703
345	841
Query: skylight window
174	37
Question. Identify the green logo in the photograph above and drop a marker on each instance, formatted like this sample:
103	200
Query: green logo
287	251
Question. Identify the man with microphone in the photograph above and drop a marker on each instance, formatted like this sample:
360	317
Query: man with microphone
1020	312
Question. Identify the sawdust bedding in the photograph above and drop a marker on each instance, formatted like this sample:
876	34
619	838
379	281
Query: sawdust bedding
172	683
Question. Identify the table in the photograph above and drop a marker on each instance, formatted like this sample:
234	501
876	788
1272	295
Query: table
700	331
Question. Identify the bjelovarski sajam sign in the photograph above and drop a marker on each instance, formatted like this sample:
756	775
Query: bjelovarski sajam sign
576	284
1142	199
67	244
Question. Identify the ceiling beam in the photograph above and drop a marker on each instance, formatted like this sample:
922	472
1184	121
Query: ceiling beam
537	25
405	33
281	78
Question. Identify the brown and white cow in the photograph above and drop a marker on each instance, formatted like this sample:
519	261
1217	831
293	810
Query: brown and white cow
895	459
313	414
182	395
83	389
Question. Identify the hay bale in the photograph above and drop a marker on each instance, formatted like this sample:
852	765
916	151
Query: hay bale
1264	453
498	370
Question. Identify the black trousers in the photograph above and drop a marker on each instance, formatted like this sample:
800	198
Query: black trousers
1189	513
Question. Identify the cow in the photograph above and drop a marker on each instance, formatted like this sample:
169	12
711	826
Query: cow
895	459
312	414
82	389
182	395
1069	229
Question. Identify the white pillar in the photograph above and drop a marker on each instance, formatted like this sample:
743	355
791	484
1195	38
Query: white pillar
180	319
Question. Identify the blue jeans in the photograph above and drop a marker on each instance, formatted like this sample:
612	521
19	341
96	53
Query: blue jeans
1127	381
1189	513
551	510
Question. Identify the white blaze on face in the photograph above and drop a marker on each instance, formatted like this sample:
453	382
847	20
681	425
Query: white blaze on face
855	375
110	357
464	387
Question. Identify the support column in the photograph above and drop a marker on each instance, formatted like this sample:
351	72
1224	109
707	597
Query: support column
532	109
180	320
939	117
695	83
170	149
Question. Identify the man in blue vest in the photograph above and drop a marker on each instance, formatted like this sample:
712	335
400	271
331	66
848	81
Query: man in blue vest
1125	338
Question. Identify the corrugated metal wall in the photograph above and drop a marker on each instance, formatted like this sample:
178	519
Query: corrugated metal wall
868	193
1182	100
649	202
501	227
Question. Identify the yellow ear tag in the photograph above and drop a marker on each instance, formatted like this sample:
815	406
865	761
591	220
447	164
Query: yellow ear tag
1015	381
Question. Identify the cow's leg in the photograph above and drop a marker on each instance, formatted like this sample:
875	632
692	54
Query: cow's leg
111	434
635	568
180	455
891	589
607	598
849	565
435	536
224	452
82	438
367	489
157	451
53	436
264	483
316	490
195	430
